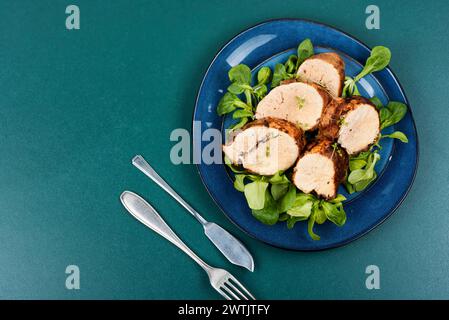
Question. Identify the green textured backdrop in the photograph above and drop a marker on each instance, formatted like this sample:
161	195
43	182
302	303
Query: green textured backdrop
75	106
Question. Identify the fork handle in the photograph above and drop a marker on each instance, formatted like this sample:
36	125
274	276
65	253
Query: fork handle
145	213
140	163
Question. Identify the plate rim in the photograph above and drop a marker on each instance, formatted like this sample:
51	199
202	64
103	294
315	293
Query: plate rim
401	89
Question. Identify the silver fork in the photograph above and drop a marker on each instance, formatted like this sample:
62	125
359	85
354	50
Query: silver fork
228	245
221	280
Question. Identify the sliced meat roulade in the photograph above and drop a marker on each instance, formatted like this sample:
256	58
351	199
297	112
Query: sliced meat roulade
354	123
266	146
326	69
298	102
330	121
321	169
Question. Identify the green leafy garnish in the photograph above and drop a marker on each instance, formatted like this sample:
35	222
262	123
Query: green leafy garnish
378	60
392	114
255	193
228	103
269	214
288	70
341	122
310	225
302	206
288	199
290	64
239	182
307	206
231	102
279	190
350	88
275	198
376	101
240	74
264	75
279	75
362	171
396	135
239	124
267	151
279	178
300	102
305	50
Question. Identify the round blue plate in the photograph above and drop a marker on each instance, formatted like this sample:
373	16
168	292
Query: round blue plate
265	45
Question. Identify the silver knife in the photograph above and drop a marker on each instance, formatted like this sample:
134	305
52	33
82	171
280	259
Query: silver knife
228	245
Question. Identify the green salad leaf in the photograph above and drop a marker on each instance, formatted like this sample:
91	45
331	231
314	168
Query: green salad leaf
226	104
365	173
288	199
392	114
239	124
264	75
279	74
255	193
288	70
242	113
269	214
240	74
362	171
334	212
305	50
274	199
239	182
290	64
378	60
278	190
279	178
310	225
350	88
302	206
318	211
231	102
396	135
307	206
376	101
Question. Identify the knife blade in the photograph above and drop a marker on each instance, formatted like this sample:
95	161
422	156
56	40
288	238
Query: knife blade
225	242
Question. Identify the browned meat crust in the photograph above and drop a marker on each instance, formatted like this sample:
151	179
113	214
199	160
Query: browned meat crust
338	63
336	154
288	81
335	111
282	125
331	150
329	124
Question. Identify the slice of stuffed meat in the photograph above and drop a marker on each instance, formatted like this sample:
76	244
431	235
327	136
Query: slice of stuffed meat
298	102
326	69
321	169
353	122
266	146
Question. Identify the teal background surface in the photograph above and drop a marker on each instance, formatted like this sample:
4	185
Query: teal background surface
76	106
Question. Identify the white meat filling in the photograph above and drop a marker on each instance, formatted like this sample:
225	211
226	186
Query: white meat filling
263	150
315	172
359	129
322	73
298	102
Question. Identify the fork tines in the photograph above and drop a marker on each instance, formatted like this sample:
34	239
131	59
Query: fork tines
230	290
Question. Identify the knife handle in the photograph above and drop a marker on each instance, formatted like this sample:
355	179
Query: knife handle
140	163
146	214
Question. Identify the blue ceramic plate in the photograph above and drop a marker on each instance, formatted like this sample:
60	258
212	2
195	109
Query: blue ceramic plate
265	45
